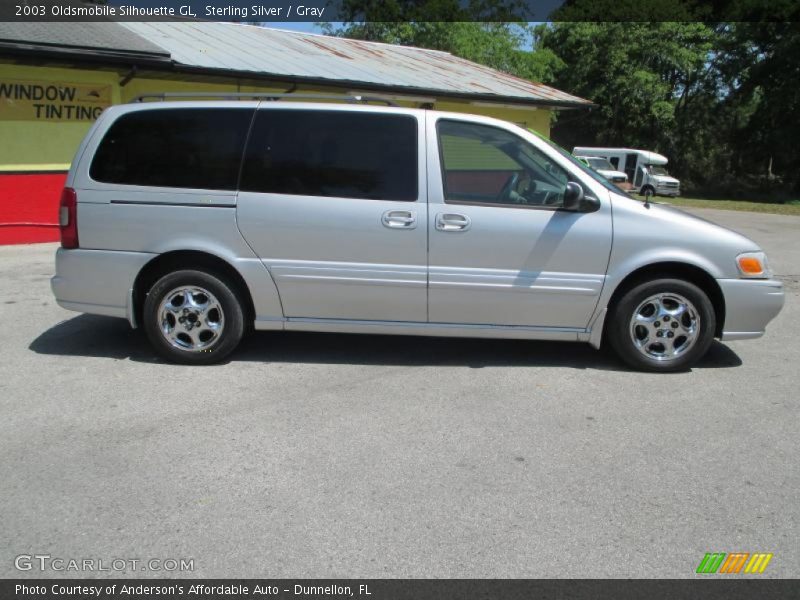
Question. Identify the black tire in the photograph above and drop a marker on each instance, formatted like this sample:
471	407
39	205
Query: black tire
619	326
643	191
228	316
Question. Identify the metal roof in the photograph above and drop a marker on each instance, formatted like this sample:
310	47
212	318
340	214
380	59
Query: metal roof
214	46
78	37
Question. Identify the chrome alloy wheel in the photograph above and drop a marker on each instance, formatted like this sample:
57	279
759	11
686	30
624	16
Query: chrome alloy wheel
191	318
665	326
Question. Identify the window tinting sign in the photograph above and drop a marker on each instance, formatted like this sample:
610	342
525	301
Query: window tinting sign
22	100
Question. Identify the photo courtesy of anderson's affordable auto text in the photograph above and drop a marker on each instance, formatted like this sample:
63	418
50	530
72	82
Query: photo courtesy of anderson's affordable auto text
399	300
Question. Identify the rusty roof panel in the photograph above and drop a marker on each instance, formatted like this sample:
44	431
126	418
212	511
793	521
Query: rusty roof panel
263	51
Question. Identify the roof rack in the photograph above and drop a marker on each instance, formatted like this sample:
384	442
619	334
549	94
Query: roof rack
261	96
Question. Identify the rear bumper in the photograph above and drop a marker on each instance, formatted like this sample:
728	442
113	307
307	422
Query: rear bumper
750	304
97	281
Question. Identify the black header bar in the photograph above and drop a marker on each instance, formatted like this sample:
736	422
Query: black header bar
277	11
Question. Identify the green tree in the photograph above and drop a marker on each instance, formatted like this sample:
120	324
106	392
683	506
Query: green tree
654	86
718	99
760	66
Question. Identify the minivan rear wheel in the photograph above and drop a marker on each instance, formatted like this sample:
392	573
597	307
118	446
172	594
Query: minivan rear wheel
662	325
193	317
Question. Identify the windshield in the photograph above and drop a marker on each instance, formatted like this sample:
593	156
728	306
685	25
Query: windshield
656	170
600	163
579	164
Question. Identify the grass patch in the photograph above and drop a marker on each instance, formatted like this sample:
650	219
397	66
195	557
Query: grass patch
790	208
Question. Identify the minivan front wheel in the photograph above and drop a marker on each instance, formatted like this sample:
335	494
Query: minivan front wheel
662	325
193	317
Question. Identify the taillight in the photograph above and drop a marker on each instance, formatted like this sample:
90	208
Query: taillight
68	218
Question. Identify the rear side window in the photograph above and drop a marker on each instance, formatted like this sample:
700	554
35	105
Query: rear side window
332	153
187	148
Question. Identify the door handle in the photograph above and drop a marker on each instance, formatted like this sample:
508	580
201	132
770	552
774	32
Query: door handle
399	219
452	222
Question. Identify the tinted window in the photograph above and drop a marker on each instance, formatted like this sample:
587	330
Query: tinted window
332	153
487	165
190	148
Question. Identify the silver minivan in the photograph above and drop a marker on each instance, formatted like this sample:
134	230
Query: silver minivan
200	220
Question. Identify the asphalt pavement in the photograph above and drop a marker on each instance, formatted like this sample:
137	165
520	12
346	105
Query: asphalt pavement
321	455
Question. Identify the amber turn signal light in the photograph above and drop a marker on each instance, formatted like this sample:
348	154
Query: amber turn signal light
750	265
753	264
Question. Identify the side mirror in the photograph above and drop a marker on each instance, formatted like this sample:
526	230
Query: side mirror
573	196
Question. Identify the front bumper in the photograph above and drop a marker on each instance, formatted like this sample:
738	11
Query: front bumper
749	305
97	281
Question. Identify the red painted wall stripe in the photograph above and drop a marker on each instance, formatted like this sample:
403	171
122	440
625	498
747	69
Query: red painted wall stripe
29	207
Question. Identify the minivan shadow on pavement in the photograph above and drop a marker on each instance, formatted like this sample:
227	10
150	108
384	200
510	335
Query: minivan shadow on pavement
106	337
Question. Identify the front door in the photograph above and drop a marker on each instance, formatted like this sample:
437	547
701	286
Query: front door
333	202
502	252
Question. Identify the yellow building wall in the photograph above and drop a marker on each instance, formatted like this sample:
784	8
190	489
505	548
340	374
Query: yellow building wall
45	145
31	145
534	118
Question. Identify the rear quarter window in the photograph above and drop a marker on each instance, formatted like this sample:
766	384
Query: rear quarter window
184	148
